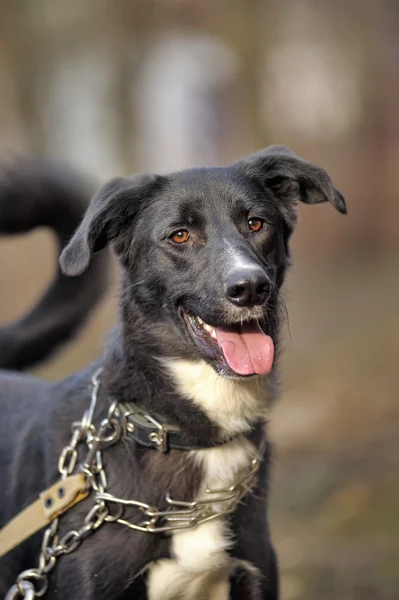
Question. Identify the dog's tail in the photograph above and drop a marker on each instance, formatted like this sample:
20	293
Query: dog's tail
42	194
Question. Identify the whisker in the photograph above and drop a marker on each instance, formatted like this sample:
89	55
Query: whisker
138	283
283	310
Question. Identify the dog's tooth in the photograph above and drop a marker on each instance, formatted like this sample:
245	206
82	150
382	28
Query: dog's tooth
207	327
213	334
200	320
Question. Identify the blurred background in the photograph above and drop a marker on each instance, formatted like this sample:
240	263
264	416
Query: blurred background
114	87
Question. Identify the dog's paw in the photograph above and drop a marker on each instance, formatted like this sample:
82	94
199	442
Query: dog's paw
245	581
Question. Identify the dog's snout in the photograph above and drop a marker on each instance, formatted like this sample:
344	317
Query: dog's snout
249	287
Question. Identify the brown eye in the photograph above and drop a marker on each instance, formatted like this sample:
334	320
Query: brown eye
255	224
179	237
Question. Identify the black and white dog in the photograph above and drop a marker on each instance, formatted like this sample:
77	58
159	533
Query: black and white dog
203	254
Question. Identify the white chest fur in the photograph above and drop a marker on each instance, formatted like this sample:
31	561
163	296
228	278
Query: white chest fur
232	404
201	565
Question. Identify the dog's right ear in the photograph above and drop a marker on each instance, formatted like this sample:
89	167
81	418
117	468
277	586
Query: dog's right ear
110	211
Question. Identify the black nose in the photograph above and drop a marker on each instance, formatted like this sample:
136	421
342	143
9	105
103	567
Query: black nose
248	287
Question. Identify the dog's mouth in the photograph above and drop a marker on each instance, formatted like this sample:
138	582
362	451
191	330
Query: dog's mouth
242	349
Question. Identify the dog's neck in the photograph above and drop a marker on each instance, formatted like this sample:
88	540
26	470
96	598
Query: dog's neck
137	376
233	405
208	408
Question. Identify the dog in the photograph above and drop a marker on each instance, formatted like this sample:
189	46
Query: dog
203	254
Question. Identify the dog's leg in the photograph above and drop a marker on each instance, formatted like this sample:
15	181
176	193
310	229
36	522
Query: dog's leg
258	573
248	583
253	544
245	581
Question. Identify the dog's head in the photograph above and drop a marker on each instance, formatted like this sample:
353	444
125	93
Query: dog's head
204	253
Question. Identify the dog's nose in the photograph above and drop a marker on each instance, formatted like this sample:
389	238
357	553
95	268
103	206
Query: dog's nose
248	287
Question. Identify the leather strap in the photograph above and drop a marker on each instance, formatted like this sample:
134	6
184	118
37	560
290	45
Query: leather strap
149	430
51	504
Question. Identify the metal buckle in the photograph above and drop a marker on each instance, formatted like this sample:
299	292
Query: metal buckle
160	437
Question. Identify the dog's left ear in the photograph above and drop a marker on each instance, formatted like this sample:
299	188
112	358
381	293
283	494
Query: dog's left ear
291	178
107	218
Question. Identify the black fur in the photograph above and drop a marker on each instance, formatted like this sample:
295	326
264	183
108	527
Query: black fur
138	215
44	194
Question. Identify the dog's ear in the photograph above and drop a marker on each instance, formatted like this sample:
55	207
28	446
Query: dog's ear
291	178
111	209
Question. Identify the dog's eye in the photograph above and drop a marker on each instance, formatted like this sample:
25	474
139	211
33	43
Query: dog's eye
255	224
179	237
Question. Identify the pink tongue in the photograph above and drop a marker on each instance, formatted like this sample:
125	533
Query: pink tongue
248	352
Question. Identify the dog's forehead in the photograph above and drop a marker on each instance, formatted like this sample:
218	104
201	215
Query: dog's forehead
207	190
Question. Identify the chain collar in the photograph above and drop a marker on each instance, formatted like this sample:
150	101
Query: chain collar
33	583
